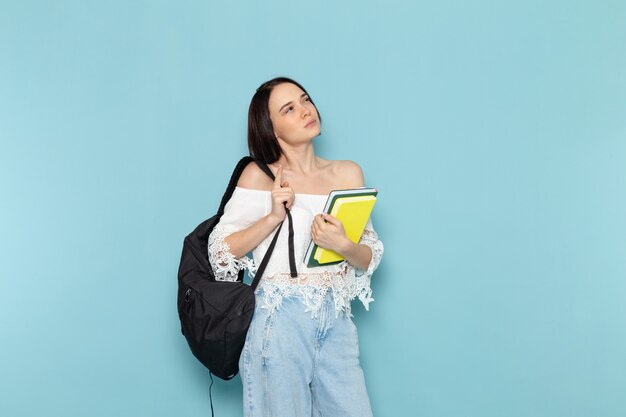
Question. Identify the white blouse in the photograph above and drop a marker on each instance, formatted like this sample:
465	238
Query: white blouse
245	207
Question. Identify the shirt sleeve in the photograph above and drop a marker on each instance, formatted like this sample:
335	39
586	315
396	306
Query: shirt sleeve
239	214
370	238
361	278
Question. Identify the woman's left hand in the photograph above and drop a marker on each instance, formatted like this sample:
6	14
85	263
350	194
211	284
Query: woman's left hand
330	234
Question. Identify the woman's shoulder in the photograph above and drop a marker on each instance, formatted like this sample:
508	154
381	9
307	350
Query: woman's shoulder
348	171
351	172
253	177
339	165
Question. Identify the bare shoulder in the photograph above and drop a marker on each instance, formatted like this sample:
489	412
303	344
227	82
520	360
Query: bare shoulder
254	178
350	172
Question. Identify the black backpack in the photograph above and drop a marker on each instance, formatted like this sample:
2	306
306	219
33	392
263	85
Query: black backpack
215	315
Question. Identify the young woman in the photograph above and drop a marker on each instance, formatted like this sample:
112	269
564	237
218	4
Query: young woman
301	355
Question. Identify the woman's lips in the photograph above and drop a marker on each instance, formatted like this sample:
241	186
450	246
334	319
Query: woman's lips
311	123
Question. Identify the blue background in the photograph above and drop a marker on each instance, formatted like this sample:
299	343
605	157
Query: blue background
495	131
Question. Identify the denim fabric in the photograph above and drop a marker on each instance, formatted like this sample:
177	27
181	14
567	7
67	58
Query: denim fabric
293	365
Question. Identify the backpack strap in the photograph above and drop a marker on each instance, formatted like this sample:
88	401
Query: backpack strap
261	269
292	257
241	165
265	169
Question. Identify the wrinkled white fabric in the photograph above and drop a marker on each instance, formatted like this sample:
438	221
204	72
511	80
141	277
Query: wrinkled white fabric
346	282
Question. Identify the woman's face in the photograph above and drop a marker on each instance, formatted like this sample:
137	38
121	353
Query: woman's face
293	115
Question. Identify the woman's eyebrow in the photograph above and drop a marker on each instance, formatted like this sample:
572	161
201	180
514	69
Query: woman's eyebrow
290	102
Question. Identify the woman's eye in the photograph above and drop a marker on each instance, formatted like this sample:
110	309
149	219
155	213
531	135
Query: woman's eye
290	108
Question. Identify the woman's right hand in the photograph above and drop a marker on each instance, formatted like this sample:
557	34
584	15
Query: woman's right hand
281	193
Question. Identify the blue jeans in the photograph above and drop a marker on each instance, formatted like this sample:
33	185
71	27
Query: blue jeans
295	366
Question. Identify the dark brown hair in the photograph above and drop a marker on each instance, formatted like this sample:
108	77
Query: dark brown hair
262	143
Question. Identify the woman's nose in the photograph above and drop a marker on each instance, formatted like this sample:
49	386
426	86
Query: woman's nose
305	111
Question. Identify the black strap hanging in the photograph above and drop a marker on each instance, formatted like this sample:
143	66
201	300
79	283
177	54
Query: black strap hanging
292	256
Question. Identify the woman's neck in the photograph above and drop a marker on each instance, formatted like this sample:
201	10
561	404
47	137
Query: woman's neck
301	161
